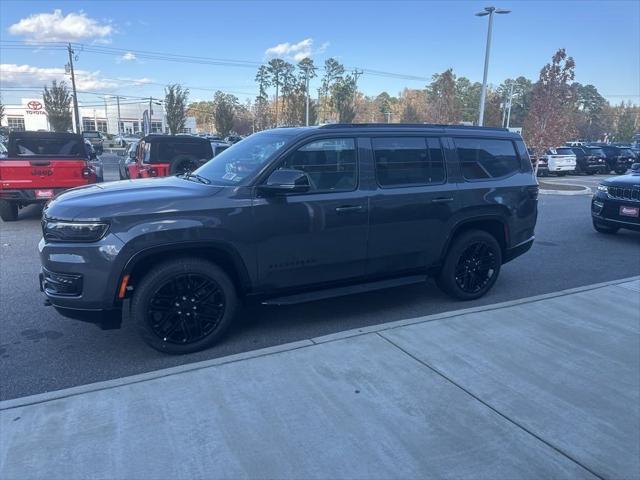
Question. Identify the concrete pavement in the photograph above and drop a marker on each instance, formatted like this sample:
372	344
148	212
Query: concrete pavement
544	387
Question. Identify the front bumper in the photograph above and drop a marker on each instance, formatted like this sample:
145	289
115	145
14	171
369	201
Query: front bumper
81	276
606	210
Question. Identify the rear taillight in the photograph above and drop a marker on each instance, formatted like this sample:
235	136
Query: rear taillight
86	172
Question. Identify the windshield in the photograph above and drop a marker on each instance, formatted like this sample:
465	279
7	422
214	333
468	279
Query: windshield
598	152
238	164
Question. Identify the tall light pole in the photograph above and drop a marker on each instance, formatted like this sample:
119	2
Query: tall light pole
487	11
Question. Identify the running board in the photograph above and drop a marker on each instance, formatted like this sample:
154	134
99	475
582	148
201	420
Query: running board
342	291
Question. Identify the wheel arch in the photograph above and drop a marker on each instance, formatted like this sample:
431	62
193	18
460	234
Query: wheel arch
225	256
494	224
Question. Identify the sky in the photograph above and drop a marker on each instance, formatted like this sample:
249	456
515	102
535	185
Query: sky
414	38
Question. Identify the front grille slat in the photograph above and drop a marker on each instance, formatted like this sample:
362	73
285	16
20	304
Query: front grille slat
623	193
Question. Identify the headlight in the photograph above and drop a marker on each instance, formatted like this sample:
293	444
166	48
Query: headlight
603	188
60	231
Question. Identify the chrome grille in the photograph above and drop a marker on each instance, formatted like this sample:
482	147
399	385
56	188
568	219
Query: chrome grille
625	193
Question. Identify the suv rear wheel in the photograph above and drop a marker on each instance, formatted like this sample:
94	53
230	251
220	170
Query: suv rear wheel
471	266
8	211
184	305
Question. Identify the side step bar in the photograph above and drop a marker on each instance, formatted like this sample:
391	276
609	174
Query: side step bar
342	291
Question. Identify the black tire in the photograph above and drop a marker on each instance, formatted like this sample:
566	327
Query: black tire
183	164
174	286
621	171
606	229
8	211
460	267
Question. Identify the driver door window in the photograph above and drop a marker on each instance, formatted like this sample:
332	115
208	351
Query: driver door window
330	164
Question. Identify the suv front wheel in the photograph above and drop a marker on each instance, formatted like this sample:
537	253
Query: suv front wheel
471	266
184	305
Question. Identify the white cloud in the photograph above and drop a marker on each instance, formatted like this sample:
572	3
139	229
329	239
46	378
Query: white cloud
295	51
19	75
127	57
54	27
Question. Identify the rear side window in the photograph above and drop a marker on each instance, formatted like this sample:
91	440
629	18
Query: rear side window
482	158
168	151
406	161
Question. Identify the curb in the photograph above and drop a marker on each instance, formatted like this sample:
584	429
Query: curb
143	377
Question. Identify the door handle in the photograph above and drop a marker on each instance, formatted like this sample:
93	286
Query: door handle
349	208
442	200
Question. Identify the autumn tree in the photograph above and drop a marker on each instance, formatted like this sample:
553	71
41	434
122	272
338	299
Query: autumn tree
57	103
441	97
224	112
175	107
203	113
550	119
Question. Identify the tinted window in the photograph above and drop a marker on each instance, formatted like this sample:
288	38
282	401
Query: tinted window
597	152
404	161
167	151
66	147
330	164
486	158
566	151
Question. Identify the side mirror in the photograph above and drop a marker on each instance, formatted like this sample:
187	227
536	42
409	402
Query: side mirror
285	181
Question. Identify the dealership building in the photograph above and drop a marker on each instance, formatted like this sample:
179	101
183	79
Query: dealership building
30	114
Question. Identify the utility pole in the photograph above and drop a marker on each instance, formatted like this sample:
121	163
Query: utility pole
106	115
306	82
510	98
388	114
73	85
487	11
118	102
356	74
150	100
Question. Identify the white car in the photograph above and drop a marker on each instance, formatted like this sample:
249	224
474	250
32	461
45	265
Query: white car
560	164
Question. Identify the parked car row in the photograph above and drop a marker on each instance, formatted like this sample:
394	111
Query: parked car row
583	159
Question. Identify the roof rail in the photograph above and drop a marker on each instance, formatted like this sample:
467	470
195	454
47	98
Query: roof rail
409	125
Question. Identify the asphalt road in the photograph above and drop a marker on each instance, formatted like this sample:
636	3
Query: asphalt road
42	351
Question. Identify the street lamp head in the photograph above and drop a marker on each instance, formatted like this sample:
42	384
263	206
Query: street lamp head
489	10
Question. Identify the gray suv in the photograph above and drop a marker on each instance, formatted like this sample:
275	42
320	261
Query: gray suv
291	215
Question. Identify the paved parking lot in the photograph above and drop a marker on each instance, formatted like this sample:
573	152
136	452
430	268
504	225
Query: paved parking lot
41	351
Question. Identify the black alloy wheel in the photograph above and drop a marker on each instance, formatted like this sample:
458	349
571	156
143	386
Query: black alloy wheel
475	268
183	305
471	266
186	309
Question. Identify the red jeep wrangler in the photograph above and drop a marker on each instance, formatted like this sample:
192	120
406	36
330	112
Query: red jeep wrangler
164	155
40	165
